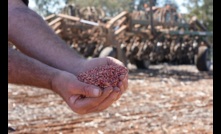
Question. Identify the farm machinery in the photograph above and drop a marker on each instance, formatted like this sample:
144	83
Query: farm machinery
157	34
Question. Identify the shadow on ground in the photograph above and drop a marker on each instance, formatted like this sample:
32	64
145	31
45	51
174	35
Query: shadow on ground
182	73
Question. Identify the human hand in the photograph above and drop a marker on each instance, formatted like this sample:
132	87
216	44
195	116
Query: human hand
96	62
71	90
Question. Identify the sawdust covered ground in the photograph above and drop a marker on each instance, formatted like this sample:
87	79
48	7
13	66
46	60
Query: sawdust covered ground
164	99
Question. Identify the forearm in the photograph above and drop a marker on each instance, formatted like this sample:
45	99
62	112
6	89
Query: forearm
31	35
28	71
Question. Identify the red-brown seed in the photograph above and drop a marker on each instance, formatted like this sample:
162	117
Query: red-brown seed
103	76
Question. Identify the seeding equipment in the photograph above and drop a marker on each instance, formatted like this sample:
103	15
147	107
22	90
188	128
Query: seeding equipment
157	34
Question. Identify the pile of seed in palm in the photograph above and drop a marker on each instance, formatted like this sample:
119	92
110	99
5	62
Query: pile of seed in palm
103	76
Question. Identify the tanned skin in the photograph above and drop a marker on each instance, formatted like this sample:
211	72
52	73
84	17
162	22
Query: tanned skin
44	60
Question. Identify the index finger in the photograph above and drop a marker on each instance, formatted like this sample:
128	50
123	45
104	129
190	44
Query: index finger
83	105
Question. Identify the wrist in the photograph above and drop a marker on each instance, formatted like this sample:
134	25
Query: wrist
56	81
78	66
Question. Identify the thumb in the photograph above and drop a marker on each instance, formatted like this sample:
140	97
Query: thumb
84	89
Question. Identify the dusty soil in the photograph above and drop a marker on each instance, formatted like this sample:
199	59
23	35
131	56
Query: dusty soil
164	99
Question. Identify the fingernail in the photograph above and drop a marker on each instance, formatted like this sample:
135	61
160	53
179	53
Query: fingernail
117	89
120	84
96	92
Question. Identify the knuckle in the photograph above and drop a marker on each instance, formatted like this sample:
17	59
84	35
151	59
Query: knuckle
69	88
112	98
86	90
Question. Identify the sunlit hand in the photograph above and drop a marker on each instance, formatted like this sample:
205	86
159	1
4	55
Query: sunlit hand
95	62
72	90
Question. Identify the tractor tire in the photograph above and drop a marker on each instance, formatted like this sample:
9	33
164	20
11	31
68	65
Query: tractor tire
142	64
203	62
108	51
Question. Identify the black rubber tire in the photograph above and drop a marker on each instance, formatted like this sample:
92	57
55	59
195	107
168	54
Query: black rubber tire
141	64
108	51
202	59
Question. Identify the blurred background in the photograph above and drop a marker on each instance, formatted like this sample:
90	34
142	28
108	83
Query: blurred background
168	47
203	9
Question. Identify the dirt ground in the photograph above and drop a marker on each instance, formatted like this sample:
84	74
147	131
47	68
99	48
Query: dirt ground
165	99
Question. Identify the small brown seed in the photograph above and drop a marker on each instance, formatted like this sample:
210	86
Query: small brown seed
103	76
